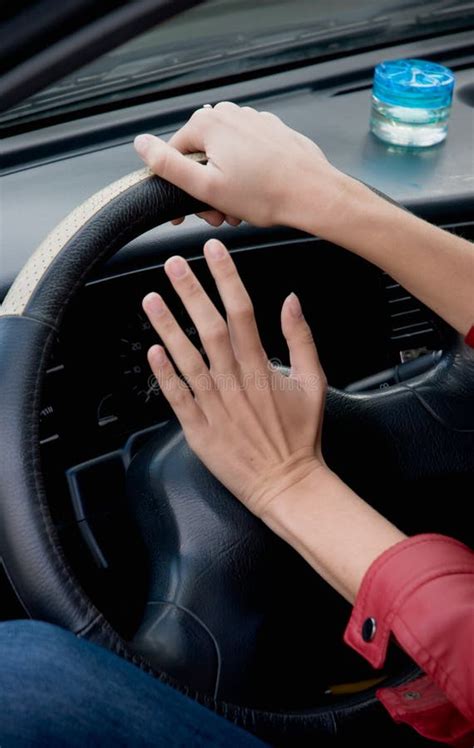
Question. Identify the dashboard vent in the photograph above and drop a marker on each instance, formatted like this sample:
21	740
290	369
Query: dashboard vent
413	329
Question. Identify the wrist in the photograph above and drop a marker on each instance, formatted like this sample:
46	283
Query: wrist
294	477
337	533
340	209
316	198
292	501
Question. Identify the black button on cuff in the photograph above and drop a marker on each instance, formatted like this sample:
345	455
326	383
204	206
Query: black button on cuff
369	627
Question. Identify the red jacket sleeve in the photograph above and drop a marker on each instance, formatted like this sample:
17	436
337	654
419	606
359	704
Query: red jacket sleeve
422	591
469	339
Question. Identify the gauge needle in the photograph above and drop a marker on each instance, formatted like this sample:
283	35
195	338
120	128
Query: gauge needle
152	389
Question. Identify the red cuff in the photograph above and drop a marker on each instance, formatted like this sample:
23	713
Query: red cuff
421	590
391	580
423	706
469	339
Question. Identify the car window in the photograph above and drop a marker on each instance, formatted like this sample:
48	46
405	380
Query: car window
220	40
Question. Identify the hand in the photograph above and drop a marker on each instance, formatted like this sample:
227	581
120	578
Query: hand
257	431
257	170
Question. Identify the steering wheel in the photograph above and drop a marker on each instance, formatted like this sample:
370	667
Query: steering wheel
216	575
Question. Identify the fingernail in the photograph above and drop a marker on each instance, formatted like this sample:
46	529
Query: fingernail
216	250
177	267
295	306
141	143
154	303
158	354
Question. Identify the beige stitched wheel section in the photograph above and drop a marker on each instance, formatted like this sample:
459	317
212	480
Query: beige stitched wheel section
31	274
28	278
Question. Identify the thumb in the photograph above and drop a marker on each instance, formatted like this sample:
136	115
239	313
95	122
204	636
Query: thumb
303	354
184	171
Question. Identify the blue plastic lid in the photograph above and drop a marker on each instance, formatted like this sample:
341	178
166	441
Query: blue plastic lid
413	83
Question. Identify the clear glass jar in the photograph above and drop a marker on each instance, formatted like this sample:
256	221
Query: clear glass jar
411	102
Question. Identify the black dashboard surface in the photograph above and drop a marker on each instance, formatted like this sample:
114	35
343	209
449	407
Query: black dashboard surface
99	387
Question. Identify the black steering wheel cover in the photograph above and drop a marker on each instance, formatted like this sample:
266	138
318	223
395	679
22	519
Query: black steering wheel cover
29	545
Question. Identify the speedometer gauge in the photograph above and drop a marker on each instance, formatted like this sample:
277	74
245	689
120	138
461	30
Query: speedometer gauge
137	379
135	394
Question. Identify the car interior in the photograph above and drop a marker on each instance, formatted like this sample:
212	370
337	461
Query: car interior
109	525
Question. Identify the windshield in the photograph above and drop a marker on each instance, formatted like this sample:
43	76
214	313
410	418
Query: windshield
221	40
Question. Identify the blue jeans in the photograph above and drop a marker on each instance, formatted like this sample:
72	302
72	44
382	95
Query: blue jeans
57	690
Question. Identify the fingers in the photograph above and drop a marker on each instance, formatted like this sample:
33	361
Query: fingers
193	135
304	358
216	218
173	166
270	115
212	217
174	389
238	305
210	325
233	221
187	358
166	159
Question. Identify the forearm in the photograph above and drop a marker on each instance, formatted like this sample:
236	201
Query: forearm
435	266
337	533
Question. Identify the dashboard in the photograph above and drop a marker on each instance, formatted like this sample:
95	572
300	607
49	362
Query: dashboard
99	388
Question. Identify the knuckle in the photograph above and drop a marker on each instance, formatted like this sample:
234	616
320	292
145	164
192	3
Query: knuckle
159	161
243	312
193	288
270	115
167	326
225	106
178	397
199	115
305	337
194	366
167	386
227	270
215	332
